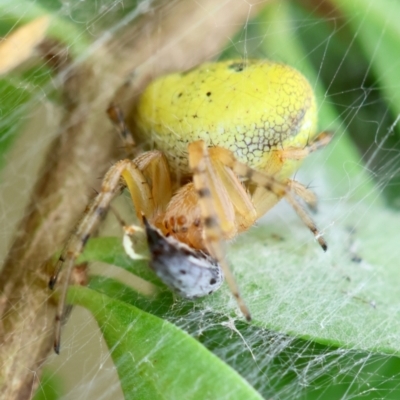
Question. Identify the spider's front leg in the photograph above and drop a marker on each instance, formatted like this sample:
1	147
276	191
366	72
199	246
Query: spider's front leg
215	177
217	212
146	199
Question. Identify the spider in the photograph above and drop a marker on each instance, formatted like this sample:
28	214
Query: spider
223	140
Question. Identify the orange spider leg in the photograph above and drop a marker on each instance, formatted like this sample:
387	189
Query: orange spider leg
320	141
143	200
270	184
323	139
246	213
222	203
264	199
304	193
154	168
231	202
153	164
200	164
117	118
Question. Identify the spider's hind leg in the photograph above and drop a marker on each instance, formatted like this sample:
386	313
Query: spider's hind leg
265	197
319	142
278	188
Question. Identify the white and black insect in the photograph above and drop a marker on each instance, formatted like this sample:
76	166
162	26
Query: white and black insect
188	272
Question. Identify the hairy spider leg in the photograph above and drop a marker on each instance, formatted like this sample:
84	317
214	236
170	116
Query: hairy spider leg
304	193
154	168
125	173
199	162
280	189
320	141
214	183
116	116
245	212
264	199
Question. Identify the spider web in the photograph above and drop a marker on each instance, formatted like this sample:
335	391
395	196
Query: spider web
326	325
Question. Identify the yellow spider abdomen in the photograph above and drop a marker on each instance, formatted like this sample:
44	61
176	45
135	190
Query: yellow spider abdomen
255	108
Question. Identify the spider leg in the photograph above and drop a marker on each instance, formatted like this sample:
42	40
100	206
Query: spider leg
116	116
111	186
246	213
280	189
209	204
304	193
264	199
319	142
155	169
153	164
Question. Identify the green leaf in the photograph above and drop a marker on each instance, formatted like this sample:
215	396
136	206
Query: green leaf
346	297
155	359
330	372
